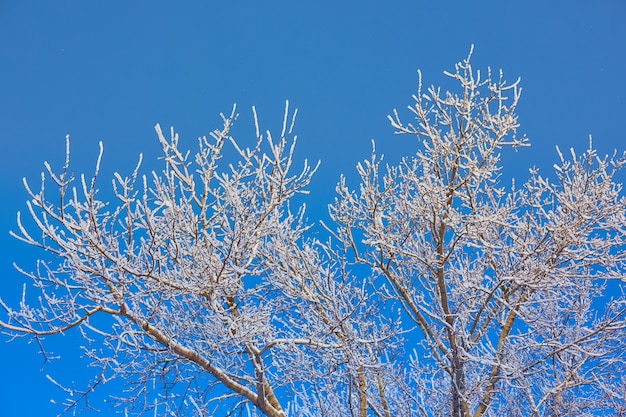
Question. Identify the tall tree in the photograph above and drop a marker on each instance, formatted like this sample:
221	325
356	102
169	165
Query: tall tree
439	292
514	295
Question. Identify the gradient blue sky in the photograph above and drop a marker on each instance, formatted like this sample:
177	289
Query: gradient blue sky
110	70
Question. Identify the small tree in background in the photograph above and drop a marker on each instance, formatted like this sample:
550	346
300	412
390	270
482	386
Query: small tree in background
505	300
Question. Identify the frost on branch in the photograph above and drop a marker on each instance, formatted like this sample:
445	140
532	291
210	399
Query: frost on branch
513	298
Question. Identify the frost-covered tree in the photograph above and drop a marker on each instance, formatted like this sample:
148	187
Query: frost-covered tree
211	288
438	292
514	295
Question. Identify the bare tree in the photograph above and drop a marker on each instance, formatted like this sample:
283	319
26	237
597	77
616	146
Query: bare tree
515	295
439	292
208	283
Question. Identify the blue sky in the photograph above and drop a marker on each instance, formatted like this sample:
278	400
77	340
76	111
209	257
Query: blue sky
111	70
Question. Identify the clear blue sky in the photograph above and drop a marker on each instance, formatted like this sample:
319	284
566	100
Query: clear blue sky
110	70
